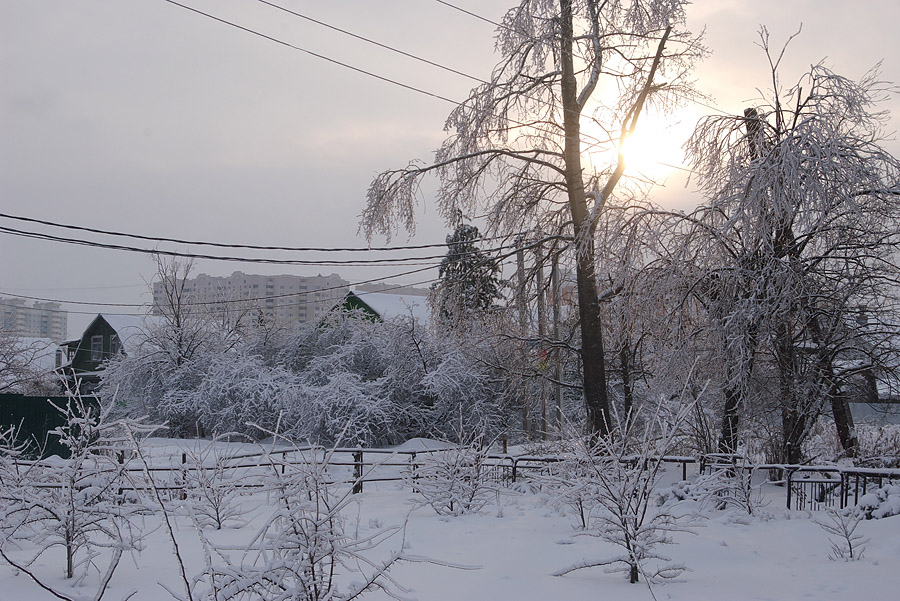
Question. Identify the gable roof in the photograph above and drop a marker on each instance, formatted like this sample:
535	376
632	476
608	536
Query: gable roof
388	306
40	352
131	329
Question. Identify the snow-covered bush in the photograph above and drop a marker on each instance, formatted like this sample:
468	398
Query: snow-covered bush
211	486
455	481
369	383
880	503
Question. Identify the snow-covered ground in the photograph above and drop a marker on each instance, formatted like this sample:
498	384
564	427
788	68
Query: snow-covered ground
510	549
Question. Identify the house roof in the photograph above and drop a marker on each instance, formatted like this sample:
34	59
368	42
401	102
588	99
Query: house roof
131	329
40	351
388	306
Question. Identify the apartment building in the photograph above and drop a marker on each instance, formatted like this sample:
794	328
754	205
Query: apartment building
37	319
283	299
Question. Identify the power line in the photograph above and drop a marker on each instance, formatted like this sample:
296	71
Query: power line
468	12
371	41
498	259
216	302
314	54
227	309
386	46
425	260
357	69
224	245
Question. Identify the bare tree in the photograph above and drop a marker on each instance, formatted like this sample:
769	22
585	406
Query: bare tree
184	325
518	143
21	368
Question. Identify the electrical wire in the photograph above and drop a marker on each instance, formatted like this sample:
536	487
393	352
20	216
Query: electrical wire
362	293
470	13
216	302
314	54
498	259
405	261
240	246
371	41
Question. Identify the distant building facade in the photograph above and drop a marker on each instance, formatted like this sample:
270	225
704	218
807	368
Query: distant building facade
37	319
282	299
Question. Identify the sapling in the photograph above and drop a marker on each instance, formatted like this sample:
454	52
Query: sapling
846	544
456	480
212	486
616	477
304	551
76	503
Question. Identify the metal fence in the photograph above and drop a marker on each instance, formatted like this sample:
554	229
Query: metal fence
809	487
806	487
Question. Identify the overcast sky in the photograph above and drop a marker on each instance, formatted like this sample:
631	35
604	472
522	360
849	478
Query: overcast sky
146	118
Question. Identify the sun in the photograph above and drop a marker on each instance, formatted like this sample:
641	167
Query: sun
653	152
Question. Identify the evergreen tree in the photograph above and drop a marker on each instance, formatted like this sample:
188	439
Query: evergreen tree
469	277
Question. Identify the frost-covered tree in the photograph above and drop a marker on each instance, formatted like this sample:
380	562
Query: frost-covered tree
575	76
21	370
307	549
174	354
798	245
74	504
347	377
613	485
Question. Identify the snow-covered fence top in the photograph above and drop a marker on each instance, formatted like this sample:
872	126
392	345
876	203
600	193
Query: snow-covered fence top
806	486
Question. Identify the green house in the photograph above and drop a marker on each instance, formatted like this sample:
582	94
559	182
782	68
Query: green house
82	360
380	306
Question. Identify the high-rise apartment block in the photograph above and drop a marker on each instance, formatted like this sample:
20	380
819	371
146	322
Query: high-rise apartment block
34	320
283	299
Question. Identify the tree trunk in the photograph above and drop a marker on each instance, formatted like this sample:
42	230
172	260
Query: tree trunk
625	366
596	399
843	421
728	437
793	417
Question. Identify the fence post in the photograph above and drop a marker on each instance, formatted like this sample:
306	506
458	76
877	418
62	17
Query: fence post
788	474
183	483
515	463
845	485
357	472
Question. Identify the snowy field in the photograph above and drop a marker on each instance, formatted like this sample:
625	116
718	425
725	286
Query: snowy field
510	549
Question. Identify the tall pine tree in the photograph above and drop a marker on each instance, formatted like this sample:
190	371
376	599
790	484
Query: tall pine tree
469	282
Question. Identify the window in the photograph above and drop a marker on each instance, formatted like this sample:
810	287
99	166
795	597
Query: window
115	345
96	348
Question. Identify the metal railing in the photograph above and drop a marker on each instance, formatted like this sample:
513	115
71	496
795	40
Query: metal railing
806	487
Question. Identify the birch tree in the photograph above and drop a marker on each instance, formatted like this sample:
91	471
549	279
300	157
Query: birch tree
516	146
802	216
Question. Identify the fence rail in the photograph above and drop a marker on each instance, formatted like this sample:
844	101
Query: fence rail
806	486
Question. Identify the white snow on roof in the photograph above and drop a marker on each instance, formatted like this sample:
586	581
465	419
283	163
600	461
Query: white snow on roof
132	329
40	352
389	306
